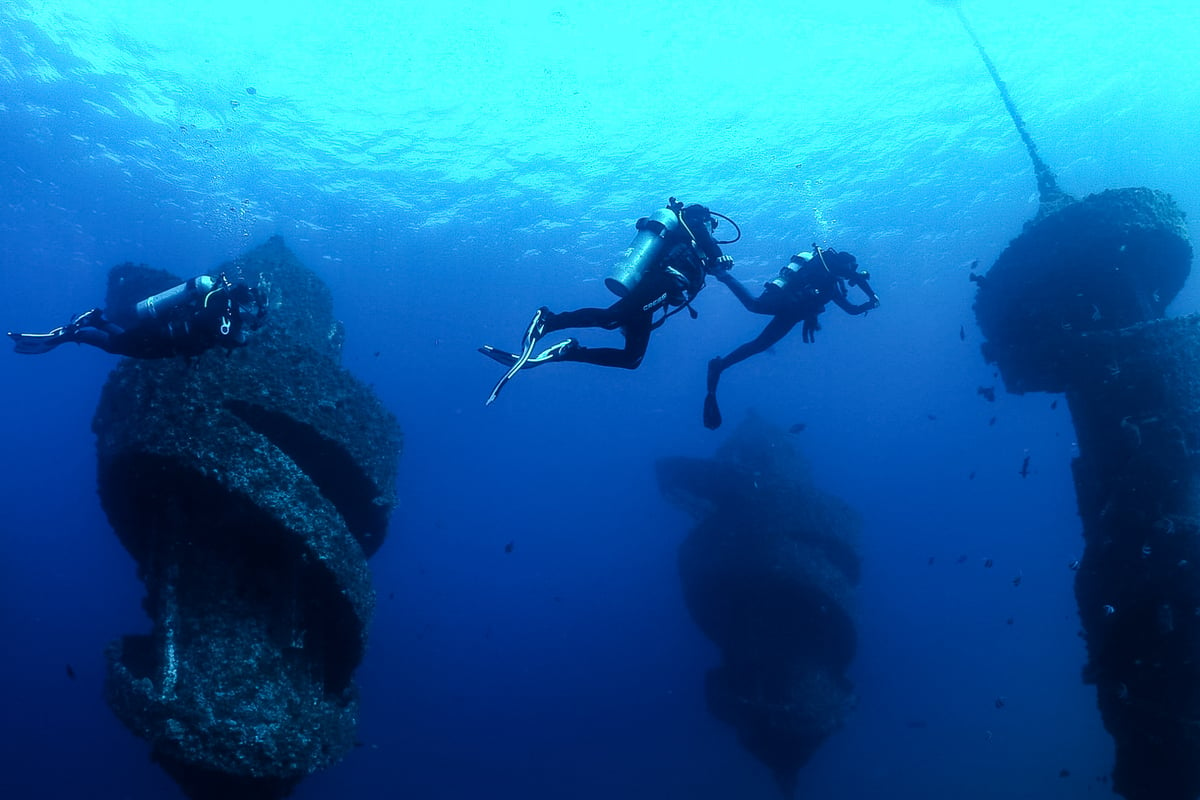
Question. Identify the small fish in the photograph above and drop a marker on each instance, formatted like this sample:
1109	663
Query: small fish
987	563
1008	621
391	595
377	354
1064	773
931	417
251	90
971	477
991	422
1073	565
974	264
508	548
1016	581
70	672
962	333
1001	702
931	561
1109	610
1024	472
961	559
1053	404
797	428
987	392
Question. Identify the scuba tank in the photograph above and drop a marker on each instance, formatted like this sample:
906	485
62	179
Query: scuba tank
791	270
655	233
164	303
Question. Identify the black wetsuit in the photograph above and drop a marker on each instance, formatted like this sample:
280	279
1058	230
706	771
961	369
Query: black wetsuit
224	317
670	283
801	299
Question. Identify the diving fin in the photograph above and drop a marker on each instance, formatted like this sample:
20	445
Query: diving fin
535	331
33	344
512	371
499	356
554	352
712	413
528	342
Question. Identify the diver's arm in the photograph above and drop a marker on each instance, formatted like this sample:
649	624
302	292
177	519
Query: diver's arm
753	304
844	303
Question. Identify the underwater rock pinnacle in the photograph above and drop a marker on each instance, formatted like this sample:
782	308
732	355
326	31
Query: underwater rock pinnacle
1073	306
1102	263
768	575
251	487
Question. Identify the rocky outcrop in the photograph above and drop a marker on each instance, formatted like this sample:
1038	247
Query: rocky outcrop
250	486
768	574
1073	305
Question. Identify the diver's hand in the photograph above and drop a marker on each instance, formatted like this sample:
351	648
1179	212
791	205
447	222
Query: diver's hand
720	267
809	330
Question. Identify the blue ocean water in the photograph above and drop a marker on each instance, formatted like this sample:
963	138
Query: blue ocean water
446	168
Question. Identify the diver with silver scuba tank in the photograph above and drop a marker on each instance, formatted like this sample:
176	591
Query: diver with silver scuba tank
799	294
663	269
186	319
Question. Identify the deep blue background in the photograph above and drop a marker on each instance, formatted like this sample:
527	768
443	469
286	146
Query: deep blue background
445	182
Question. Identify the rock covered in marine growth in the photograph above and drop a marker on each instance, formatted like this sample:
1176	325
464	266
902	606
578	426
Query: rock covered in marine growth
769	574
1102	263
1074	305
250	486
1135	402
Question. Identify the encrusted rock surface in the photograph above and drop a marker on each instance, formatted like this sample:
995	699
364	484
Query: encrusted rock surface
250	486
768	575
1102	263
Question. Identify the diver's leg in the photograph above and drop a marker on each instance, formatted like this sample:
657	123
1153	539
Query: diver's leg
607	318
94	329
776	329
546	321
636	330
76	330
95	337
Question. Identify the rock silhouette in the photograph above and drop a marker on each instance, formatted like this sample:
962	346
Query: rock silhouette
1074	304
768	574
251	487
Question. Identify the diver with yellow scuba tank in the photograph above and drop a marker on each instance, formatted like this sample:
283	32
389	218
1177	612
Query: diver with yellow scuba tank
799	294
186	319
663	269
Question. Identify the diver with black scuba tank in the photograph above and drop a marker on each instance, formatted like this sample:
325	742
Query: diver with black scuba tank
663	269
798	295
184	320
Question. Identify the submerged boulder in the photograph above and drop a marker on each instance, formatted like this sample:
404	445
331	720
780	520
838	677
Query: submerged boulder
768	574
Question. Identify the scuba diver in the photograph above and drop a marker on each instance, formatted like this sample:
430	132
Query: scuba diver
662	269
798	295
184	320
